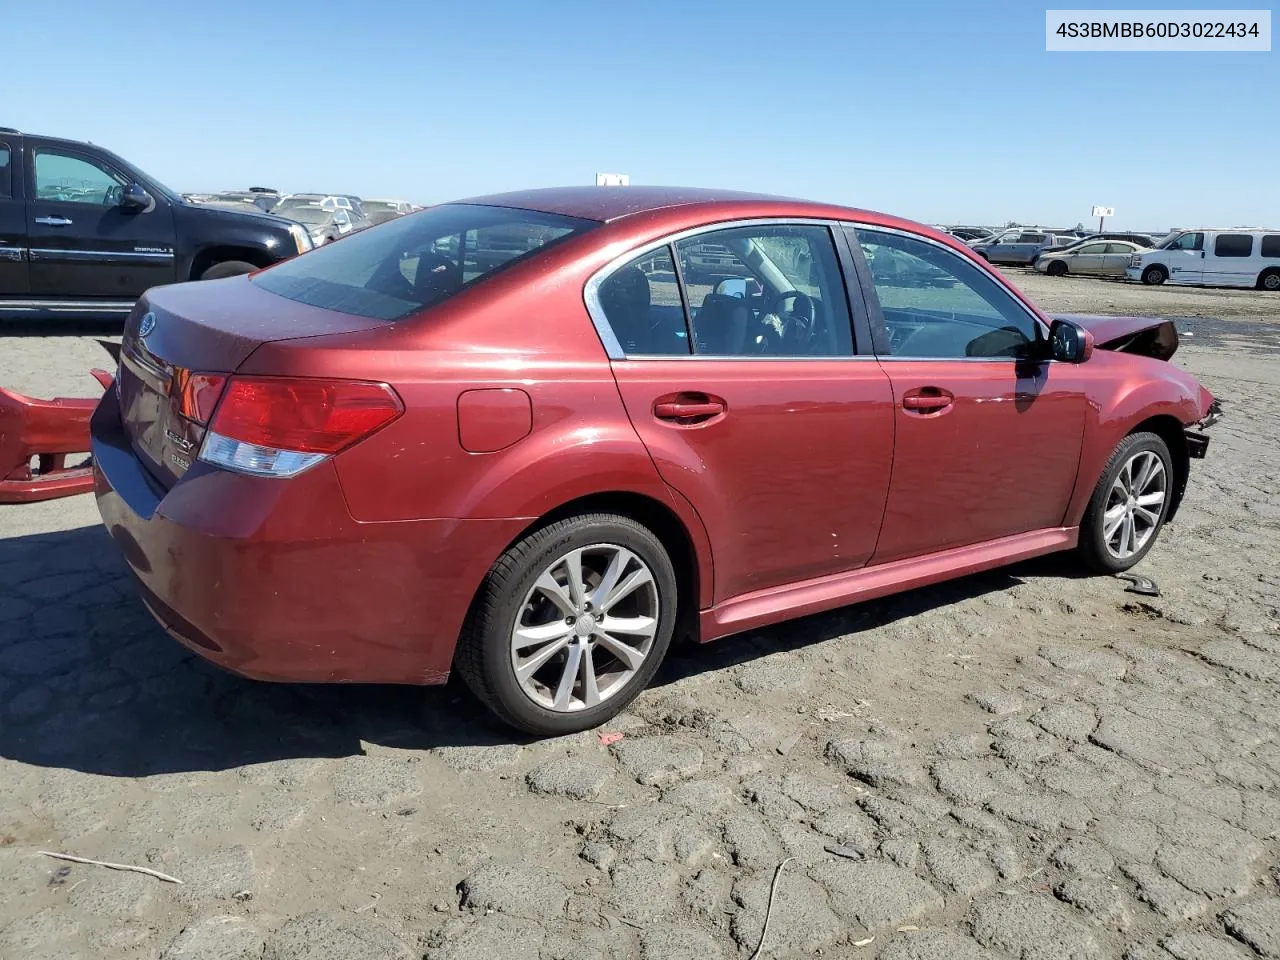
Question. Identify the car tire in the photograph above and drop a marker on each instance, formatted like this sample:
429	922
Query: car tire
228	268
1139	469
1155	275
1269	280
1056	268
553	699
984	256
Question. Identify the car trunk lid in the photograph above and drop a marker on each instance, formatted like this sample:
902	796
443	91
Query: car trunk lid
177	333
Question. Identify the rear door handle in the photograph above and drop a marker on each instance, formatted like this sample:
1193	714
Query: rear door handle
54	221
688	409
928	400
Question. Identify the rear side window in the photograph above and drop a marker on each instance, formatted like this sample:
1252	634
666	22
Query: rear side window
1271	245
1233	245
6	171
406	265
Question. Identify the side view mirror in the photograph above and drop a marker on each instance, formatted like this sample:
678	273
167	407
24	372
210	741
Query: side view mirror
136	198
1069	343
733	287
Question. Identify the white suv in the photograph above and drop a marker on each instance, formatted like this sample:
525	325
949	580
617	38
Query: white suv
1237	257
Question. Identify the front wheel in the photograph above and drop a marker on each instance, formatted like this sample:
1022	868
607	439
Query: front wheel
1129	504
227	268
1057	268
1154	276
570	624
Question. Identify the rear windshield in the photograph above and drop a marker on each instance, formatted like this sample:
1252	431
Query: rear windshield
416	261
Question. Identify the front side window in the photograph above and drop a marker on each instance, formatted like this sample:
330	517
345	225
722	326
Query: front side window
938	305
1233	245
417	262
67	179
1271	245
1188	241
785	295
6	171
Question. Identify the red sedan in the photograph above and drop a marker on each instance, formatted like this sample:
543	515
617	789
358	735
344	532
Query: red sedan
535	436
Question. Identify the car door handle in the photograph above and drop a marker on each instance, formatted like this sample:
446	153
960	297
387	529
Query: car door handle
688	409
928	400
54	221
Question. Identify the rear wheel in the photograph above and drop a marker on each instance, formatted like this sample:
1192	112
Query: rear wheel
1129	504
228	268
1269	280
1155	275
571	624
1056	268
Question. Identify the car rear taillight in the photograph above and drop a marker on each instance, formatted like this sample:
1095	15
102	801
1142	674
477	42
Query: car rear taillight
280	426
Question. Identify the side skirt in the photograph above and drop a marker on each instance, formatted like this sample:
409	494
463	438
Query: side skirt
764	607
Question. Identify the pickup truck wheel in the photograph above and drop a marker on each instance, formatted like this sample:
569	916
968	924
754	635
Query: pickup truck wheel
1128	505
1154	276
1269	280
1056	268
228	268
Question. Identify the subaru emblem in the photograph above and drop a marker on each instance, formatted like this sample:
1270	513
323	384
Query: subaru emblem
146	324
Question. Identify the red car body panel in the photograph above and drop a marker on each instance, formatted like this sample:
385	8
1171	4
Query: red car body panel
815	487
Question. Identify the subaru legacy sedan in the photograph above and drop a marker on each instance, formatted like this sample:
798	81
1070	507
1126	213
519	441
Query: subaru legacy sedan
400	454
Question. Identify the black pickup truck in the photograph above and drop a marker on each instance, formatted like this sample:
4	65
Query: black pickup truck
83	233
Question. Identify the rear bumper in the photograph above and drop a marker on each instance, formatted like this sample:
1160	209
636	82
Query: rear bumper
274	580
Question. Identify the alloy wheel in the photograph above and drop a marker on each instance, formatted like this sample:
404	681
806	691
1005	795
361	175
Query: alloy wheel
1135	504
585	627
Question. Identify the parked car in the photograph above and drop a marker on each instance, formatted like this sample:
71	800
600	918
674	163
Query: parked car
84	233
969	233
380	211
1139	239
375	463
1231	257
1014	246
259	197
323	223
1103	258
357	218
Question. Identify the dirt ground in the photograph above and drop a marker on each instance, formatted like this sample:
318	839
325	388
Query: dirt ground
1029	764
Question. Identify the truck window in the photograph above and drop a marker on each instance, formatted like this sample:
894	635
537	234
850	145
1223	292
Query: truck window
62	177
1271	245
6	172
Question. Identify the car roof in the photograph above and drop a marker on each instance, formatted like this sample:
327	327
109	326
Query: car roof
614	203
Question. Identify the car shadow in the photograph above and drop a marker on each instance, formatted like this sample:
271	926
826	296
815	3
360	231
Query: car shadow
89	682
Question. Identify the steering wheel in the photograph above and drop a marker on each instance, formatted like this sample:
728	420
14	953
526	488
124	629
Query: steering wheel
796	328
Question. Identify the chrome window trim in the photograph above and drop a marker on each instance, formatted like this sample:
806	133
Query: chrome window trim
613	346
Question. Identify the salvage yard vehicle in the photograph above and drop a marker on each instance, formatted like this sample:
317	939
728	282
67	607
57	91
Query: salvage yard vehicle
1212	257
84	233
383	460
380	211
1016	247
1097	259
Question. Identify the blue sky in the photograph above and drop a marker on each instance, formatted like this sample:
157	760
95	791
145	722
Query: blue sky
939	111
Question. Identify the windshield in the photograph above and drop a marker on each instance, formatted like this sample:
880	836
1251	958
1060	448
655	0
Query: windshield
371	205
415	262
1167	240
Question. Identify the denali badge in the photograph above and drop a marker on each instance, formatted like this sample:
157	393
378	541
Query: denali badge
146	324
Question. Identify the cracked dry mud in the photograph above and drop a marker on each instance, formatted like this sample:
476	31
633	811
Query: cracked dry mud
1025	764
